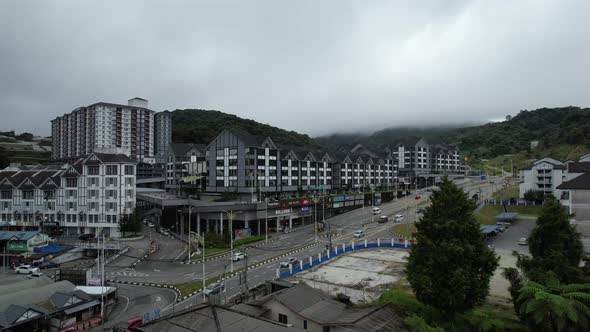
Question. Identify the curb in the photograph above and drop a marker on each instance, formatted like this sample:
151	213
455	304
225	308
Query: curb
251	267
227	254
153	248
148	284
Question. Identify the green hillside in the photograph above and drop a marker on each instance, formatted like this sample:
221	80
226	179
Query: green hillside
202	126
563	133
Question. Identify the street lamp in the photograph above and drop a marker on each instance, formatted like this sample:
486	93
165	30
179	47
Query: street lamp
231	215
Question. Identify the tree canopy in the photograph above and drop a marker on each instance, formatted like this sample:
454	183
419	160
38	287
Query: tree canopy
554	245
450	266
202	126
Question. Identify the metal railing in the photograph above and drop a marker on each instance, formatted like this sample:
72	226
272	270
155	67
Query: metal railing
338	250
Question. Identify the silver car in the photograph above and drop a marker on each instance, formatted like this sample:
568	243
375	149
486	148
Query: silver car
213	288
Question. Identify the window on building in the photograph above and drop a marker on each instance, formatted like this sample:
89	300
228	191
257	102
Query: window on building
219	183
305	324
91	182
111	181
28	194
325	329
129	170
71	182
6	194
283	319
93	170
112	170
49	194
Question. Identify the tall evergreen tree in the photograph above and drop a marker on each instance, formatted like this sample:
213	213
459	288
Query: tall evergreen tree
450	267
554	245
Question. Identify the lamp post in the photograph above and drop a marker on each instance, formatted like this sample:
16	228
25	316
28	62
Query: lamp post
231	215
266	219
189	232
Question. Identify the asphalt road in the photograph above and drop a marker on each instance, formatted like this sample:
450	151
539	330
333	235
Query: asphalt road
160	269
137	300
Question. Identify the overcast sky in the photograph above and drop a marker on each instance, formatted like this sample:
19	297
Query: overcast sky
312	66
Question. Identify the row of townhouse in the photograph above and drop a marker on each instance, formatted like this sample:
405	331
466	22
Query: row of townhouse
87	195
240	162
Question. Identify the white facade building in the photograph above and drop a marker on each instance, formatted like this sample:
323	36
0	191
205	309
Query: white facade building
543	175
111	128
90	195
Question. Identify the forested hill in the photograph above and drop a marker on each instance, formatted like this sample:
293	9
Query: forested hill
552	127
202	126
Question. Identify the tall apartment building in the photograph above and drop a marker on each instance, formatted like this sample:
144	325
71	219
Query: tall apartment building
88	195
162	134
132	129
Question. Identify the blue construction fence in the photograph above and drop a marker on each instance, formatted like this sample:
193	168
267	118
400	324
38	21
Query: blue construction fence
513	203
337	251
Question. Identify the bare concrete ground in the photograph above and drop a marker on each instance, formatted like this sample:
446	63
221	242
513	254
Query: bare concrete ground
362	275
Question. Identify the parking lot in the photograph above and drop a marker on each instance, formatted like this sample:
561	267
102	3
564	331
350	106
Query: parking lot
507	241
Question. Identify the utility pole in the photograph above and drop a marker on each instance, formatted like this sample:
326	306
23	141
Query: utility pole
203	263
189	232
266	219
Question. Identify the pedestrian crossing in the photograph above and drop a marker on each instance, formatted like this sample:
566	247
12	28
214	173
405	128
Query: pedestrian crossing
128	273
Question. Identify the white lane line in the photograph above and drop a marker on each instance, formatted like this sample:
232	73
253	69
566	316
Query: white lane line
173	302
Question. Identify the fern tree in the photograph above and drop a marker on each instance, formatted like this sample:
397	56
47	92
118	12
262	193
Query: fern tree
555	307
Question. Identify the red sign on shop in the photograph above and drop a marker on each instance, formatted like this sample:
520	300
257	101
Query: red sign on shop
304	201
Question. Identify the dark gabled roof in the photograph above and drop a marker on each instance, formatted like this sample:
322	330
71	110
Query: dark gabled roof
9	316
580	182
180	149
113	158
246	137
579	167
316	306
206	317
59	299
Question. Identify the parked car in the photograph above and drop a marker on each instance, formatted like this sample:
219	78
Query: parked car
418	196
213	288
376	210
398	218
237	256
35	275
359	234
151	225
165	232
383	219
26	269
48	265
500	227
523	241
85	237
289	261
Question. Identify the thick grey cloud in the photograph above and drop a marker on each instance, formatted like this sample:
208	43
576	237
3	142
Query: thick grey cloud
311	66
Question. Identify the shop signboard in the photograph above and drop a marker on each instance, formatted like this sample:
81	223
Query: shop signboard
305	201
282	212
305	209
17	246
242	233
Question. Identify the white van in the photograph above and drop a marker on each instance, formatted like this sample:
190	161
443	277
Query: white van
376	210
398	218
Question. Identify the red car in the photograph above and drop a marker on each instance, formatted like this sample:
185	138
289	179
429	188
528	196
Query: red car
418	197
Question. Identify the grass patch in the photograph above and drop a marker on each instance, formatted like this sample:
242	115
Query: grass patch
213	251
506	194
248	240
404	229
487	215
